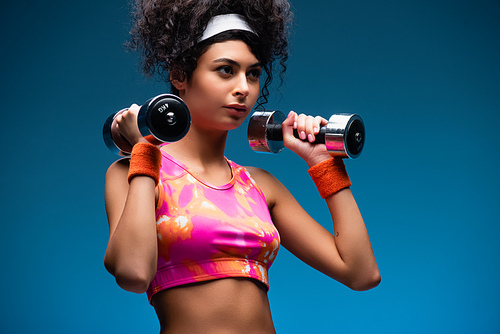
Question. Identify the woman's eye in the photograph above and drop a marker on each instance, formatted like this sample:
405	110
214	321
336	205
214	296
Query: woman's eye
254	73
225	69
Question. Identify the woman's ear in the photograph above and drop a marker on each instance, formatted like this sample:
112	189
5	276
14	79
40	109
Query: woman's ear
177	78
177	84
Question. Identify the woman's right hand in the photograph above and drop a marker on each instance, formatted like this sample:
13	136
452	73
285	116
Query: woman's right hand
126	124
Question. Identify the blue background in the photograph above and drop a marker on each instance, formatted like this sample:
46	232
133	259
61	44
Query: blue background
425	77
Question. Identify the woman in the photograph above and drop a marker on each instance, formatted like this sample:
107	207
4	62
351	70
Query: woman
194	230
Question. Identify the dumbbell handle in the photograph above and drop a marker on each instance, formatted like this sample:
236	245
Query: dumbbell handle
275	132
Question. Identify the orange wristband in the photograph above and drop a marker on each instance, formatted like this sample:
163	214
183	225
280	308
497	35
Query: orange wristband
330	176
145	159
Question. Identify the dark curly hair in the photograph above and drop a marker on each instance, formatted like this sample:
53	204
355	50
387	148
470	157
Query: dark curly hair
166	31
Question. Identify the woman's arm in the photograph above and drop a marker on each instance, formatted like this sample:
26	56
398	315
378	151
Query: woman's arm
346	256
131	253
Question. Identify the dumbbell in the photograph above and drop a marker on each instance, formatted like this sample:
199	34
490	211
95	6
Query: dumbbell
344	135
164	118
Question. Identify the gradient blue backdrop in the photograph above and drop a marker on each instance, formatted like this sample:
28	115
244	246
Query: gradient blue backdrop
424	75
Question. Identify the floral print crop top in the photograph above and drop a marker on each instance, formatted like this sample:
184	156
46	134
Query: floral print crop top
208	232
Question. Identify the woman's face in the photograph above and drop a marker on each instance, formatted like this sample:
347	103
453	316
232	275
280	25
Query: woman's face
224	86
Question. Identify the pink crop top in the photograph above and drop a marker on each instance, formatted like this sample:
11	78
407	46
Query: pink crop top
209	232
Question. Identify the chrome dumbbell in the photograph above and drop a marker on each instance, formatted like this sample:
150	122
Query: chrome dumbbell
164	118
344	135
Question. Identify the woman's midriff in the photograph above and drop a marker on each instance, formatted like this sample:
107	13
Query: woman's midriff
230	305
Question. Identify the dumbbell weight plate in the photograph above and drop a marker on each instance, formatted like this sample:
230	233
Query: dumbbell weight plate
345	135
165	118
114	141
355	137
258	137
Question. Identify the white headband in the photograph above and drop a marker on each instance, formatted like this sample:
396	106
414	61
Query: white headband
221	23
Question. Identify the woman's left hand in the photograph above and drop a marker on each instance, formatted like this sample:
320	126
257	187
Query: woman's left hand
307	128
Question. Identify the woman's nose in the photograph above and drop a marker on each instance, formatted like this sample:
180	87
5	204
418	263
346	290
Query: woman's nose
241	87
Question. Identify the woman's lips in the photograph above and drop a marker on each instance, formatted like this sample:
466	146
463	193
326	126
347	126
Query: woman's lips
236	108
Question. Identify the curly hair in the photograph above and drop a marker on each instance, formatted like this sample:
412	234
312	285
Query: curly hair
166	31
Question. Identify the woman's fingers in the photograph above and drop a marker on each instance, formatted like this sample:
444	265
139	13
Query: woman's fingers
126	124
308	126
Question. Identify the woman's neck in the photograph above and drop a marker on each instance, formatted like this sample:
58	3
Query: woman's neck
203	153
200	149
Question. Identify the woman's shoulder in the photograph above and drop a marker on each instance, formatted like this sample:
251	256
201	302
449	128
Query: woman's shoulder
119	165
258	173
118	170
269	184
